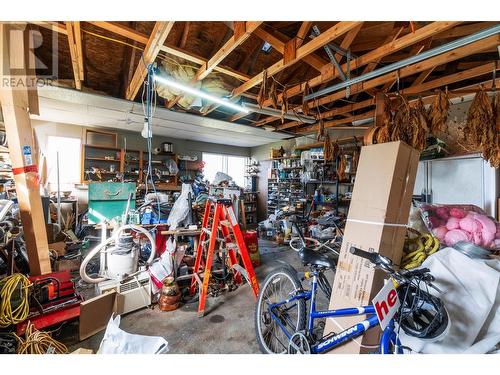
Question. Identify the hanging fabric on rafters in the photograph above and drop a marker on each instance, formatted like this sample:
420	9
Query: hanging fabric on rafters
262	90
284	104
273	96
321	130
305	107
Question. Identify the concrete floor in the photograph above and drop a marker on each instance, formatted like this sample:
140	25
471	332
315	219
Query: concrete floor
228	324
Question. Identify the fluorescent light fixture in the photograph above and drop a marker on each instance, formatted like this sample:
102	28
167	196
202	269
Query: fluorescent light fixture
362	122
198	93
274	112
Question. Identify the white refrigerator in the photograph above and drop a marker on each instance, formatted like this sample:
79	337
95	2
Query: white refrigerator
459	180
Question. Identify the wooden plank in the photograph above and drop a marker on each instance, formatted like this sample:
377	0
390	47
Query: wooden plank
15	110
464	30
303	32
153	47
95	314
290	51
79	50
227	48
278	43
335	123
185	34
75	60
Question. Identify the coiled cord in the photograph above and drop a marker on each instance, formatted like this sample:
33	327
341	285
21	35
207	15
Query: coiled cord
39	342
10	286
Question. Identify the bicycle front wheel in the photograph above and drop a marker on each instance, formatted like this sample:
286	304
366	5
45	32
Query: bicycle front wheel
277	287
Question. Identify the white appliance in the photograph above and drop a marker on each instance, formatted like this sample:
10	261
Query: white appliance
131	295
459	180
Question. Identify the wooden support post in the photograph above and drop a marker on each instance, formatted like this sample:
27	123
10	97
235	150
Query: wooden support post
16	109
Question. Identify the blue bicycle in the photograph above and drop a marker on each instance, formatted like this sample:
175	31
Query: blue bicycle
282	313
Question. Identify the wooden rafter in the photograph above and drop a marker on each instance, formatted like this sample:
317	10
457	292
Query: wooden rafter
156	40
75	49
414	68
303	32
242	31
169	49
444	58
413	90
185	33
345	44
279	42
326	37
329	73
140	38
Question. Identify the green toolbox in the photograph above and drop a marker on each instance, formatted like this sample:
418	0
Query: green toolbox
109	199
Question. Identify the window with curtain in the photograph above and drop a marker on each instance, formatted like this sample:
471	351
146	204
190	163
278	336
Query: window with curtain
69	162
234	166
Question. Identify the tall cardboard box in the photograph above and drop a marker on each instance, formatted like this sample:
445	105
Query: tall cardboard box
379	210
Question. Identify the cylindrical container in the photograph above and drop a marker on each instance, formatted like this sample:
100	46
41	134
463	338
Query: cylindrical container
167	147
252	243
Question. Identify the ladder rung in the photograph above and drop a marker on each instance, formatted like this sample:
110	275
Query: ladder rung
232	246
208	232
242	271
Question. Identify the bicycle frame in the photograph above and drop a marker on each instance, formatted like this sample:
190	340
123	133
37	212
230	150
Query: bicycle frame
350	333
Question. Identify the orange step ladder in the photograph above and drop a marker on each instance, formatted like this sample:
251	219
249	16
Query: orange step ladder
220	218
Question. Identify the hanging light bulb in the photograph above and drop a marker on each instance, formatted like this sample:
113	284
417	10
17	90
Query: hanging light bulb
146	131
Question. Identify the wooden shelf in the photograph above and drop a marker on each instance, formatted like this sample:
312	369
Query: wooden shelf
102	159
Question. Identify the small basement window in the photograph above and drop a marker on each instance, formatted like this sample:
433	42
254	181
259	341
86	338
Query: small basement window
234	166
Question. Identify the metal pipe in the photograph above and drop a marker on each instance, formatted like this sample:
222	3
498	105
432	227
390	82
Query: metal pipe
58	192
274	112
410	60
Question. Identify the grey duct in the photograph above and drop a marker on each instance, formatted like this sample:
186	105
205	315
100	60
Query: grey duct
409	61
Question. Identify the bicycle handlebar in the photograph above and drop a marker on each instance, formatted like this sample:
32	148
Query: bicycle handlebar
372	257
386	265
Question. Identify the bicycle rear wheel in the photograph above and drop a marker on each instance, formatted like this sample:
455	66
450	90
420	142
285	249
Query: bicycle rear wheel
278	286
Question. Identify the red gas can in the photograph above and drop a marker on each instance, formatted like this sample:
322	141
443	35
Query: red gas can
252	243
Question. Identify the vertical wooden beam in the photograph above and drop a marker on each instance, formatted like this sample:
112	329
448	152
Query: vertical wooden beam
15	109
75	49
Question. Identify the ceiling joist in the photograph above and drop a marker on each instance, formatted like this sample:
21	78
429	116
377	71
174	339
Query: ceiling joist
326	37
242	31
75	49
153	47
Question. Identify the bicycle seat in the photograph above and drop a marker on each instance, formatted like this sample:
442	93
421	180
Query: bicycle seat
313	258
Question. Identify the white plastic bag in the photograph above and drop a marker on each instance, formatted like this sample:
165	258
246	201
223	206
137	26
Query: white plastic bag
471	293
117	341
221	177
180	210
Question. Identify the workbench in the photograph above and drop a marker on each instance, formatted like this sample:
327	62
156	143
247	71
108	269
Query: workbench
195	233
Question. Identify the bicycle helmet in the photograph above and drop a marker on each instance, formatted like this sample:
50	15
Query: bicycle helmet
423	315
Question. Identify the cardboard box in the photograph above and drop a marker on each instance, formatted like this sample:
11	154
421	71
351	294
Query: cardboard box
378	211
